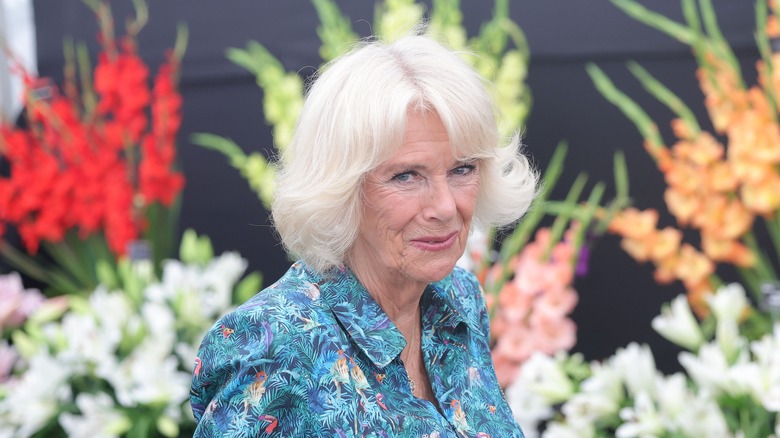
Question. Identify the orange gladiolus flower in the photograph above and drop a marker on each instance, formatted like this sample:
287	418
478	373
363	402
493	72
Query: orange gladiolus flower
693	267
729	251
722	177
763	198
683	206
633	223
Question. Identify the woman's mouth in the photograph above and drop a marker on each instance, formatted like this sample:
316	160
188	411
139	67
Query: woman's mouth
435	243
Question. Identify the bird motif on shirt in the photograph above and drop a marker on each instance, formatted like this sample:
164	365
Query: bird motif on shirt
339	372
198	365
227	331
313	292
359	379
273	422
254	392
458	416
380	400
308	323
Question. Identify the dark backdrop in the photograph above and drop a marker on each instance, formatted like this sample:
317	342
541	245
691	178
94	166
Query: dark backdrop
618	298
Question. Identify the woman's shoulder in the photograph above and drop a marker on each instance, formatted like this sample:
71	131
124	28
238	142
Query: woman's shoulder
464	285
291	299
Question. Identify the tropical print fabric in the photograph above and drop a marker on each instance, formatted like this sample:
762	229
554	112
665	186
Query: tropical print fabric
314	355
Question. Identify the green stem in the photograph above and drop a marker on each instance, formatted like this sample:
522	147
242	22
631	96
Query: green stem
753	283
666	96
719	42
773	226
560	223
629	107
26	264
765	270
762	41
515	241
64	255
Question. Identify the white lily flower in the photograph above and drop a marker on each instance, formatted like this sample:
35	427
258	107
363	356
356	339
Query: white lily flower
99	417
563	430
728	302
588	407
728	338
762	375
528	408
677	324
640	420
702	418
711	371
605	380
33	399
87	342
146	377
636	366
112	309
673	395
543	375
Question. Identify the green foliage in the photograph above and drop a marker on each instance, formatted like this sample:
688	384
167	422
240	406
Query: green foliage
195	249
490	52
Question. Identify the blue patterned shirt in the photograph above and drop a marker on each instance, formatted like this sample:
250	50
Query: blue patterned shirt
315	356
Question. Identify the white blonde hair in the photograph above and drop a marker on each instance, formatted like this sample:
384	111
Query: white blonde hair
354	118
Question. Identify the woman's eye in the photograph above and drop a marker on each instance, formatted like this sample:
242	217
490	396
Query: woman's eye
403	176
465	169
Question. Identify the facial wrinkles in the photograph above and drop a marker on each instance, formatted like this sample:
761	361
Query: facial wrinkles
420	196
428	192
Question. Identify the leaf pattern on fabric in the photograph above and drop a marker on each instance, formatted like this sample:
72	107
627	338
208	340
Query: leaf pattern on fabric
314	355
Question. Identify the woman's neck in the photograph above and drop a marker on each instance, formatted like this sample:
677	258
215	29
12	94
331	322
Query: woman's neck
399	299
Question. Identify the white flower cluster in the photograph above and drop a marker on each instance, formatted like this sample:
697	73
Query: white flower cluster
627	396
109	355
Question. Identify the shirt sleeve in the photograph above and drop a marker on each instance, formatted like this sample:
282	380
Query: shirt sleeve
232	384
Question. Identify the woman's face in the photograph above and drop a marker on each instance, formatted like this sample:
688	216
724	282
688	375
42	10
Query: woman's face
417	207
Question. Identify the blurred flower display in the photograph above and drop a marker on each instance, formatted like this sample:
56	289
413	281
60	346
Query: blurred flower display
729	387
723	186
529	289
18	302
119	362
531	311
92	171
499	52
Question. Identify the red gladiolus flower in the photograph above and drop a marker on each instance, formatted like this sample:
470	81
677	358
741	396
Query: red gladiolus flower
98	170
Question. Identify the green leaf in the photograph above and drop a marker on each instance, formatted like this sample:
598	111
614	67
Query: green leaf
720	44
225	146
655	20
335	30
107	275
666	96
248	287
167	426
630	109
24	344
563	218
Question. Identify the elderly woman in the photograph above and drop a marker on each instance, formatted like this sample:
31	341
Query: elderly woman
375	332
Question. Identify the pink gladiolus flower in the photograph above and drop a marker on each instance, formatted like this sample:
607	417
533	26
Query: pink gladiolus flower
8	358
532	307
16	302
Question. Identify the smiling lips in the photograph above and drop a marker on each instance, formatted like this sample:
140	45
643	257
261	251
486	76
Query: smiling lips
435	243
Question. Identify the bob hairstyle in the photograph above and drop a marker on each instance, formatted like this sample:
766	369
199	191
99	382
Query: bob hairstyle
354	118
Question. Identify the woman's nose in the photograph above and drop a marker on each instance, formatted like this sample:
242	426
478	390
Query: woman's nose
440	203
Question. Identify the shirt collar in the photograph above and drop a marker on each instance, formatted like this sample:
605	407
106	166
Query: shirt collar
447	302
369	326
361	317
